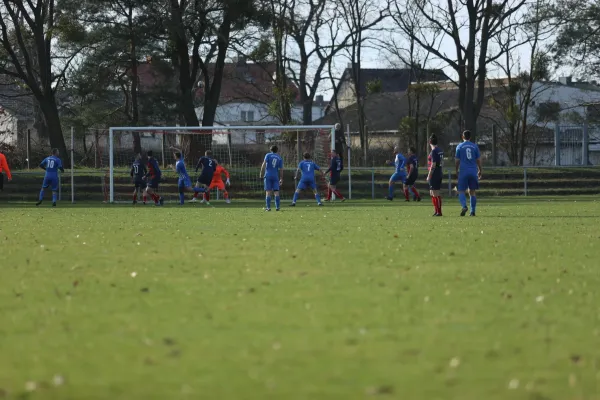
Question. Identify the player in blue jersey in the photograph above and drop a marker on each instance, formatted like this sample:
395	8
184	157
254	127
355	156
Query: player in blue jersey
468	170
209	166
153	179
52	165
307	180
400	173
435	163
272	171
138	172
413	173
184	183
335	168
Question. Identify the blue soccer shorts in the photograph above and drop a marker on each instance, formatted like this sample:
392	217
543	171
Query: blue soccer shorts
398	177
305	184
467	181
184	183
51	181
271	183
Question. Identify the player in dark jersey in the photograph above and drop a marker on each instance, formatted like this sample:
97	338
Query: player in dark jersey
209	166
335	169
434	177
412	174
153	179
138	172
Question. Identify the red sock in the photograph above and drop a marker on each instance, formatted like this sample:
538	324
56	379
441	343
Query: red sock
155	197
329	191
435	204
406	193
439	204
338	194
207	196
144	198
135	197
415	192
226	195
196	195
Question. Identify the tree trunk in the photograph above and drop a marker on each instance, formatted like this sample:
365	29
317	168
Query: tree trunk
306	108
135	113
55	134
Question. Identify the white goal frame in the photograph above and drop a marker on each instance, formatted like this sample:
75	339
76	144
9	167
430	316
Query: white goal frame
187	130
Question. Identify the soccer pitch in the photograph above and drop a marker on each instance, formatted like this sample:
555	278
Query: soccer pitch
347	301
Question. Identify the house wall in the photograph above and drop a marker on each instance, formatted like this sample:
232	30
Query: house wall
570	98
255	114
8	128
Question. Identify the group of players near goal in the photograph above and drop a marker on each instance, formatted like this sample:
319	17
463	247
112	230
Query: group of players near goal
146	178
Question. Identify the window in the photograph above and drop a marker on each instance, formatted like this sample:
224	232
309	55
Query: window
248	116
548	111
260	137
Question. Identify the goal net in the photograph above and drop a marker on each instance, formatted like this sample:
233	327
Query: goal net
239	149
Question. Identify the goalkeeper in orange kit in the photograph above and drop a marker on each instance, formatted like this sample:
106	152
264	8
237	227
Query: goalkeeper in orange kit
217	182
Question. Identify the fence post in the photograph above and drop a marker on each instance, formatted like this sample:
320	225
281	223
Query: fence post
449	183
73	165
494	145
585	144
373	183
162	149
557	145
349	145
27	150
525	180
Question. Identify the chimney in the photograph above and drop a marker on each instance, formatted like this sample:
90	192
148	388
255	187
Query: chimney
565	80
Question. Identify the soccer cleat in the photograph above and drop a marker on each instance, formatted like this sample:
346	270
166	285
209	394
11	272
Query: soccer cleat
193	200
227	201
463	212
472	214
389	198
343	200
144	203
320	204
53	204
38	203
436	215
203	201
293	205
267	209
277	209
161	201
407	200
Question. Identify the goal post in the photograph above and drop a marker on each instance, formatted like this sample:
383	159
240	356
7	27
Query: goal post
239	148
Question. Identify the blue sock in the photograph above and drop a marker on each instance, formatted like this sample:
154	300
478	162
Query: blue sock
268	200
473	204
295	197
318	198
463	199
41	195
391	190
181	198
277	201
54	197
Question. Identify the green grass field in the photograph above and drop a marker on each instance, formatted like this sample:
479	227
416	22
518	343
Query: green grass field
348	301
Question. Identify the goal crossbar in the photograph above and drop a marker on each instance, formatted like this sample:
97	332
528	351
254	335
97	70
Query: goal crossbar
196	130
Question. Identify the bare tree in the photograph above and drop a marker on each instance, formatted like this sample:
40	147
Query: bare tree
29	56
516	95
316	31
359	18
470	25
